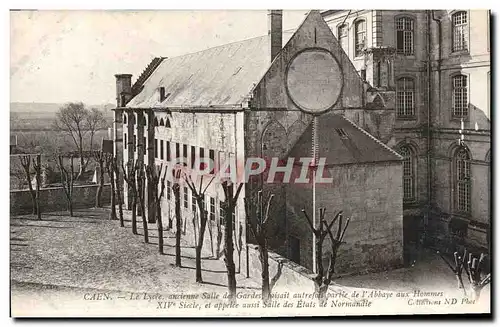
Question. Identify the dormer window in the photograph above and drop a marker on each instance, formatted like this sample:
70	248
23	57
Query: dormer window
162	94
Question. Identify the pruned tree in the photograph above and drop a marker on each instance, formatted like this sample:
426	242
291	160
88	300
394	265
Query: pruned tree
141	184
129	175
156	180
100	157
67	180
108	165
176	188
81	124
116	170
199	195
25	161
37	165
231	199
257	219
473	270
322	280
238	243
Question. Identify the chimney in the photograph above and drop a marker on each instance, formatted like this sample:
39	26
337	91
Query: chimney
275	26
123	89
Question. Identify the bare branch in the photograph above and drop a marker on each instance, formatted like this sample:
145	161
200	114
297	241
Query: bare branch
267	209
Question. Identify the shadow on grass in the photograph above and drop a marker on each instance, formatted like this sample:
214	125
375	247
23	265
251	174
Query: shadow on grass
207	270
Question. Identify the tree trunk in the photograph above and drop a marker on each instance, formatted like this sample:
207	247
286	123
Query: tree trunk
38	180
264	261
160	226
70	207
119	196
112	214
98	196
178	227
229	250
143	217
199	245
134	214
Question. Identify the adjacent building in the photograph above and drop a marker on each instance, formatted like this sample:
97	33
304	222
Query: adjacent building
438	64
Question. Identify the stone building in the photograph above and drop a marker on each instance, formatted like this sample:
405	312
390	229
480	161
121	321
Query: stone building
437	65
257	98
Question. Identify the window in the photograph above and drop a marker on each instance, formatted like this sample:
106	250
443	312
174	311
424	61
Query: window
169	187
202	156
161	149
125	141
193	203
186	199
222	213
211	156
459	96
404	36
463	185
162	122
212	208
185	153
156	122
125	118
460	31
177	150
156	148
343	33
360	37
168	151
408	174
135	142
193	156
144	144
405	92
167	124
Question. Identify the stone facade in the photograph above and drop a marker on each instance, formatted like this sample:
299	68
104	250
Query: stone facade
432	132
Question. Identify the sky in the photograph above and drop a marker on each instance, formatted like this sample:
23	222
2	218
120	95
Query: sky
62	56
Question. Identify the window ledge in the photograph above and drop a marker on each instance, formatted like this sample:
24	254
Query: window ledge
406	118
459	53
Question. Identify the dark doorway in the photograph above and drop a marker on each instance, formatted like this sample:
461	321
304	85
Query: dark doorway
295	249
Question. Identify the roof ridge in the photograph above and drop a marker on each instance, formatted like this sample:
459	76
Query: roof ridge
372	137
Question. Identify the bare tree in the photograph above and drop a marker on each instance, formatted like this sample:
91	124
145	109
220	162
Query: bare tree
199	195
37	165
231	200
176	188
100	157
129	175
155	180
25	161
141	184
238	243
116	170
67	180
257	220
322	280
473	269
79	122
108	165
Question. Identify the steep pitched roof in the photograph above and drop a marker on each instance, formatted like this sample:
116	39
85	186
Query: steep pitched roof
221	76
341	142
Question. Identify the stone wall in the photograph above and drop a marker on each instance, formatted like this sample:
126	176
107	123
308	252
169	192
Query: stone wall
54	199
371	195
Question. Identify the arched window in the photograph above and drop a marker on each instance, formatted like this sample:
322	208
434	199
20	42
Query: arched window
343	37
460	31
167	124
460	102
359	37
156	122
405	97
162	122
408	174
124	118
462	180
404	36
